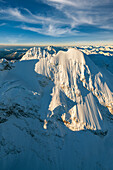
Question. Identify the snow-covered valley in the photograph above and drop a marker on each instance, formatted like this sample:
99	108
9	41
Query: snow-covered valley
56	112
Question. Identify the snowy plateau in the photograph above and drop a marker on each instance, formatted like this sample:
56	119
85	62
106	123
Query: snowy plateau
56	110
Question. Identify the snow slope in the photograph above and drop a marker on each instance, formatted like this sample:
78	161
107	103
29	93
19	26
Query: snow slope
55	113
80	80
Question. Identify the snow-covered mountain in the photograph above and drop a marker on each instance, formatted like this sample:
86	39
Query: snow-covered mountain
56	112
37	53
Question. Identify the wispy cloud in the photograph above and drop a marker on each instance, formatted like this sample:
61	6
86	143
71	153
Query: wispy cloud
50	30
80	8
97	13
2	1
16	14
81	4
75	13
2	24
63	2
49	25
13	40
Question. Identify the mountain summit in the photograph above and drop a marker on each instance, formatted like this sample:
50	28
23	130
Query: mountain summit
79	89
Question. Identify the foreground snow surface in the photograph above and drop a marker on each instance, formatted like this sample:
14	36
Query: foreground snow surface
56	112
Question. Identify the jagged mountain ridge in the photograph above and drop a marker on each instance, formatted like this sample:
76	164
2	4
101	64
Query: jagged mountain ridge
78	87
70	72
37	53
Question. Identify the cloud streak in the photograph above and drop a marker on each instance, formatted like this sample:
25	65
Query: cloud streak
15	14
85	11
49	25
50	30
75	13
2	1
80	4
2	24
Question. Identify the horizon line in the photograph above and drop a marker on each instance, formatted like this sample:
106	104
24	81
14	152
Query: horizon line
60	44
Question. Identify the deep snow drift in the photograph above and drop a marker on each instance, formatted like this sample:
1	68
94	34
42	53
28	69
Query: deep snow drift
55	112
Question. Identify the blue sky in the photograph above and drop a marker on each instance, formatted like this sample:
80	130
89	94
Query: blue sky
55	21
